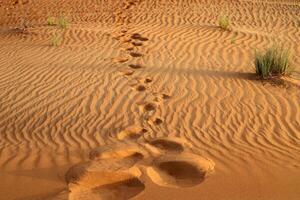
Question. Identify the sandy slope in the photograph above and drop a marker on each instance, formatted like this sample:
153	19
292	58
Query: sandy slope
128	72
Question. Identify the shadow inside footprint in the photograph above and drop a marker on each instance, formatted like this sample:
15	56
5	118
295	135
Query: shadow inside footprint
137	44
165	96
158	121
135	66
137	36
140	88
147	80
184	173
150	107
136	54
121	190
167	145
180	170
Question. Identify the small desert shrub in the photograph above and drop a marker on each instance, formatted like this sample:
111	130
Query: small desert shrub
51	21
224	22
62	22
273	62
55	40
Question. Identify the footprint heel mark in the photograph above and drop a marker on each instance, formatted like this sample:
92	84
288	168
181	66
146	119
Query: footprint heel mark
182	170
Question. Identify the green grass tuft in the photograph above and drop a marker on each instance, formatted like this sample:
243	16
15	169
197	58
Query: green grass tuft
273	62
62	22
51	21
224	22
55	40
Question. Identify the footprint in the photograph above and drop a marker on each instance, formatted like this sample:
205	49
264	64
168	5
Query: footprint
147	80
135	66
135	54
170	144
141	88
143	39
131	133
137	44
149	107
158	121
128	73
165	96
137	36
129	49
116	151
121	59
105	179
161	97
184	170
122	190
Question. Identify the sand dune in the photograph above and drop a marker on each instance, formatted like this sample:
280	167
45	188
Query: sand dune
147	99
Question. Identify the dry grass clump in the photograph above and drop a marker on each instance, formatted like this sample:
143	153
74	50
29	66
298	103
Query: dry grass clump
272	62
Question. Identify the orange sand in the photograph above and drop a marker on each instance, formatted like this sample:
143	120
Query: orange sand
147	99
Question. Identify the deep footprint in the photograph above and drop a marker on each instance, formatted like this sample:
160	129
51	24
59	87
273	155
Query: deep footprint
184	170
149	107
140	88
120	191
168	144
136	54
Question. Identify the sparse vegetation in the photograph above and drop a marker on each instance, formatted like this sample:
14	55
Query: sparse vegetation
273	62
51	21
233	39
55	39
224	22
62	22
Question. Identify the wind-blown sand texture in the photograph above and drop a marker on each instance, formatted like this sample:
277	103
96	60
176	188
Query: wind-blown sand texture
147	99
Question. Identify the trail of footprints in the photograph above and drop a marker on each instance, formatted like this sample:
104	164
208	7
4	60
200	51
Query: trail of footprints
130	44
119	171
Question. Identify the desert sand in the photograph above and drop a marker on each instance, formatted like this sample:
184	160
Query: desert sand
147	99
